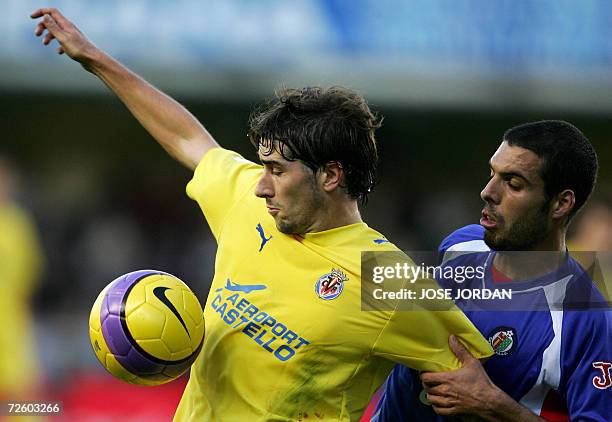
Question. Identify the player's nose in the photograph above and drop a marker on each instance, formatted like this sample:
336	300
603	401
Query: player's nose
264	188
489	193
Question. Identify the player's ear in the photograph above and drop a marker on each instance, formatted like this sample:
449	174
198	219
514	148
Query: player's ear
563	204
331	175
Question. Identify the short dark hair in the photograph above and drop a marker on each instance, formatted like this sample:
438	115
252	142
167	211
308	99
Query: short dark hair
317	125
568	158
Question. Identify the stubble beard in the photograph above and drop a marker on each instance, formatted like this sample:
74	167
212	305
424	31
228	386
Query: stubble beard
300	223
523	235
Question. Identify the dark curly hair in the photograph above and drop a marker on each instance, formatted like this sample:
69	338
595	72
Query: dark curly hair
320	125
568	158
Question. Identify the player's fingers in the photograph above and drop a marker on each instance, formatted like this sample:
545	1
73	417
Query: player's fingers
37	13
48	38
459	350
42	12
40	28
432	378
61	21
52	27
445	411
441	390
439	401
60	50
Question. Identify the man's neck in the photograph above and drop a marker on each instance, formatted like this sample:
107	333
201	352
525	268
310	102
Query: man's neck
342	213
538	260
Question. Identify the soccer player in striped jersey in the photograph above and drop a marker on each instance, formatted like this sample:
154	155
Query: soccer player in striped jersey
553	341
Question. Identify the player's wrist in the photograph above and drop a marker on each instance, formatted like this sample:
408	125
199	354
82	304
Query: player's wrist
498	405
93	59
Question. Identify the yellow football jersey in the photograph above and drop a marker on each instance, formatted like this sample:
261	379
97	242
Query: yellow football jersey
20	265
285	336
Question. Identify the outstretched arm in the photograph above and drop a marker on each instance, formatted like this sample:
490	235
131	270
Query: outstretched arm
470	391
175	128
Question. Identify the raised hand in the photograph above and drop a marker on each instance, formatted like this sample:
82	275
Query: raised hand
176	130
71	40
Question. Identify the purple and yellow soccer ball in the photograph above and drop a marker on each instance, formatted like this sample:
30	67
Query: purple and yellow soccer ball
146	327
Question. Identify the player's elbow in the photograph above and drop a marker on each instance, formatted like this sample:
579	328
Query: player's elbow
190	152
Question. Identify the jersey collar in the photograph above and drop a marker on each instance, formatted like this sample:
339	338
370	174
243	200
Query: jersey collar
336	236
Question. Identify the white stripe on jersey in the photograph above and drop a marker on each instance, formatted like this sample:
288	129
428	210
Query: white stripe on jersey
550	373
463	248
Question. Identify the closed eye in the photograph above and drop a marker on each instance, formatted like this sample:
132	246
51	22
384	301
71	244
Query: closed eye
273	167
273	170
513	183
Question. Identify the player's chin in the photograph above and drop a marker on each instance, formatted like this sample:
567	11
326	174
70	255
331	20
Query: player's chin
287	226
283	225
493	238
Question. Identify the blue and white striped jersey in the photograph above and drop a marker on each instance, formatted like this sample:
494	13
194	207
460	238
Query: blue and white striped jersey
552	342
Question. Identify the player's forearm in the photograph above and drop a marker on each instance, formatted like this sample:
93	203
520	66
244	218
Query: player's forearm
505	409
171	124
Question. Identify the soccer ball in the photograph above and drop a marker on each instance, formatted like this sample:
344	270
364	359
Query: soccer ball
146	327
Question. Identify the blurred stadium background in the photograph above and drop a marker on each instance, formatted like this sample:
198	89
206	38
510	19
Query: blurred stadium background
448	75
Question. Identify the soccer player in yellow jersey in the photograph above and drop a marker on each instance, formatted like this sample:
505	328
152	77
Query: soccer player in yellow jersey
285	335
21	262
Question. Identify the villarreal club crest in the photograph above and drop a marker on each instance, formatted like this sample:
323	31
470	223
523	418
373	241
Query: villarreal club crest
330	286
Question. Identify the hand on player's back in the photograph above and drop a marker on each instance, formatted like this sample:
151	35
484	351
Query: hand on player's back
72	41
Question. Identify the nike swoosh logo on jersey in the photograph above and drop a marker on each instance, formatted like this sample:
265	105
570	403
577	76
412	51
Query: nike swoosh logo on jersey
160	293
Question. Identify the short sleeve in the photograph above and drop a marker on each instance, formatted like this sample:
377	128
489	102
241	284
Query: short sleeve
468	239
220	180
419	339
